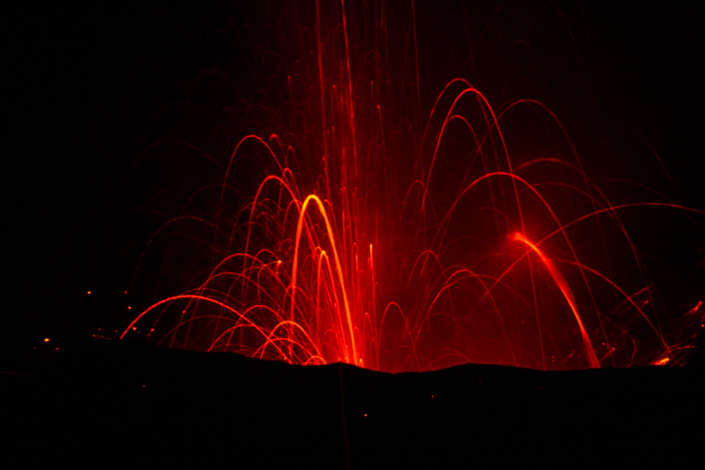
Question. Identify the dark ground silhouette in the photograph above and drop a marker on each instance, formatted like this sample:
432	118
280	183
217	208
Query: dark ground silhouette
141	404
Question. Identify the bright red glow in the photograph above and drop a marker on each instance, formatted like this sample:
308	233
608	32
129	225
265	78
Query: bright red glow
388	240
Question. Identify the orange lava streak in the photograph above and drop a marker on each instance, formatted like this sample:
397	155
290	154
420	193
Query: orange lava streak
191	297
568	294
338	267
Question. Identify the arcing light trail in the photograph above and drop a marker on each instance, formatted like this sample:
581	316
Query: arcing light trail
358	247
565	289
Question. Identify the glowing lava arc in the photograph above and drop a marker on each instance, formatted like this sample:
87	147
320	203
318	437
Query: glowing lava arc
568	294
338	267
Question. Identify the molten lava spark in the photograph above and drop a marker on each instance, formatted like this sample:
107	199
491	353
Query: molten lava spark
386	241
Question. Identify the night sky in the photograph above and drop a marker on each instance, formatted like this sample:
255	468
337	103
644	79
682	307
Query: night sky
87	85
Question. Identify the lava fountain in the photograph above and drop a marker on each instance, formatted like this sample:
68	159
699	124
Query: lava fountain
396	239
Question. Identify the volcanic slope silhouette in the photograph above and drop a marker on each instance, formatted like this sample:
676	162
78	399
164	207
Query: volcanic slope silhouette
141	404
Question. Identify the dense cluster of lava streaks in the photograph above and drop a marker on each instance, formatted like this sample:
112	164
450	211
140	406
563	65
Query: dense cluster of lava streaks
398	241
